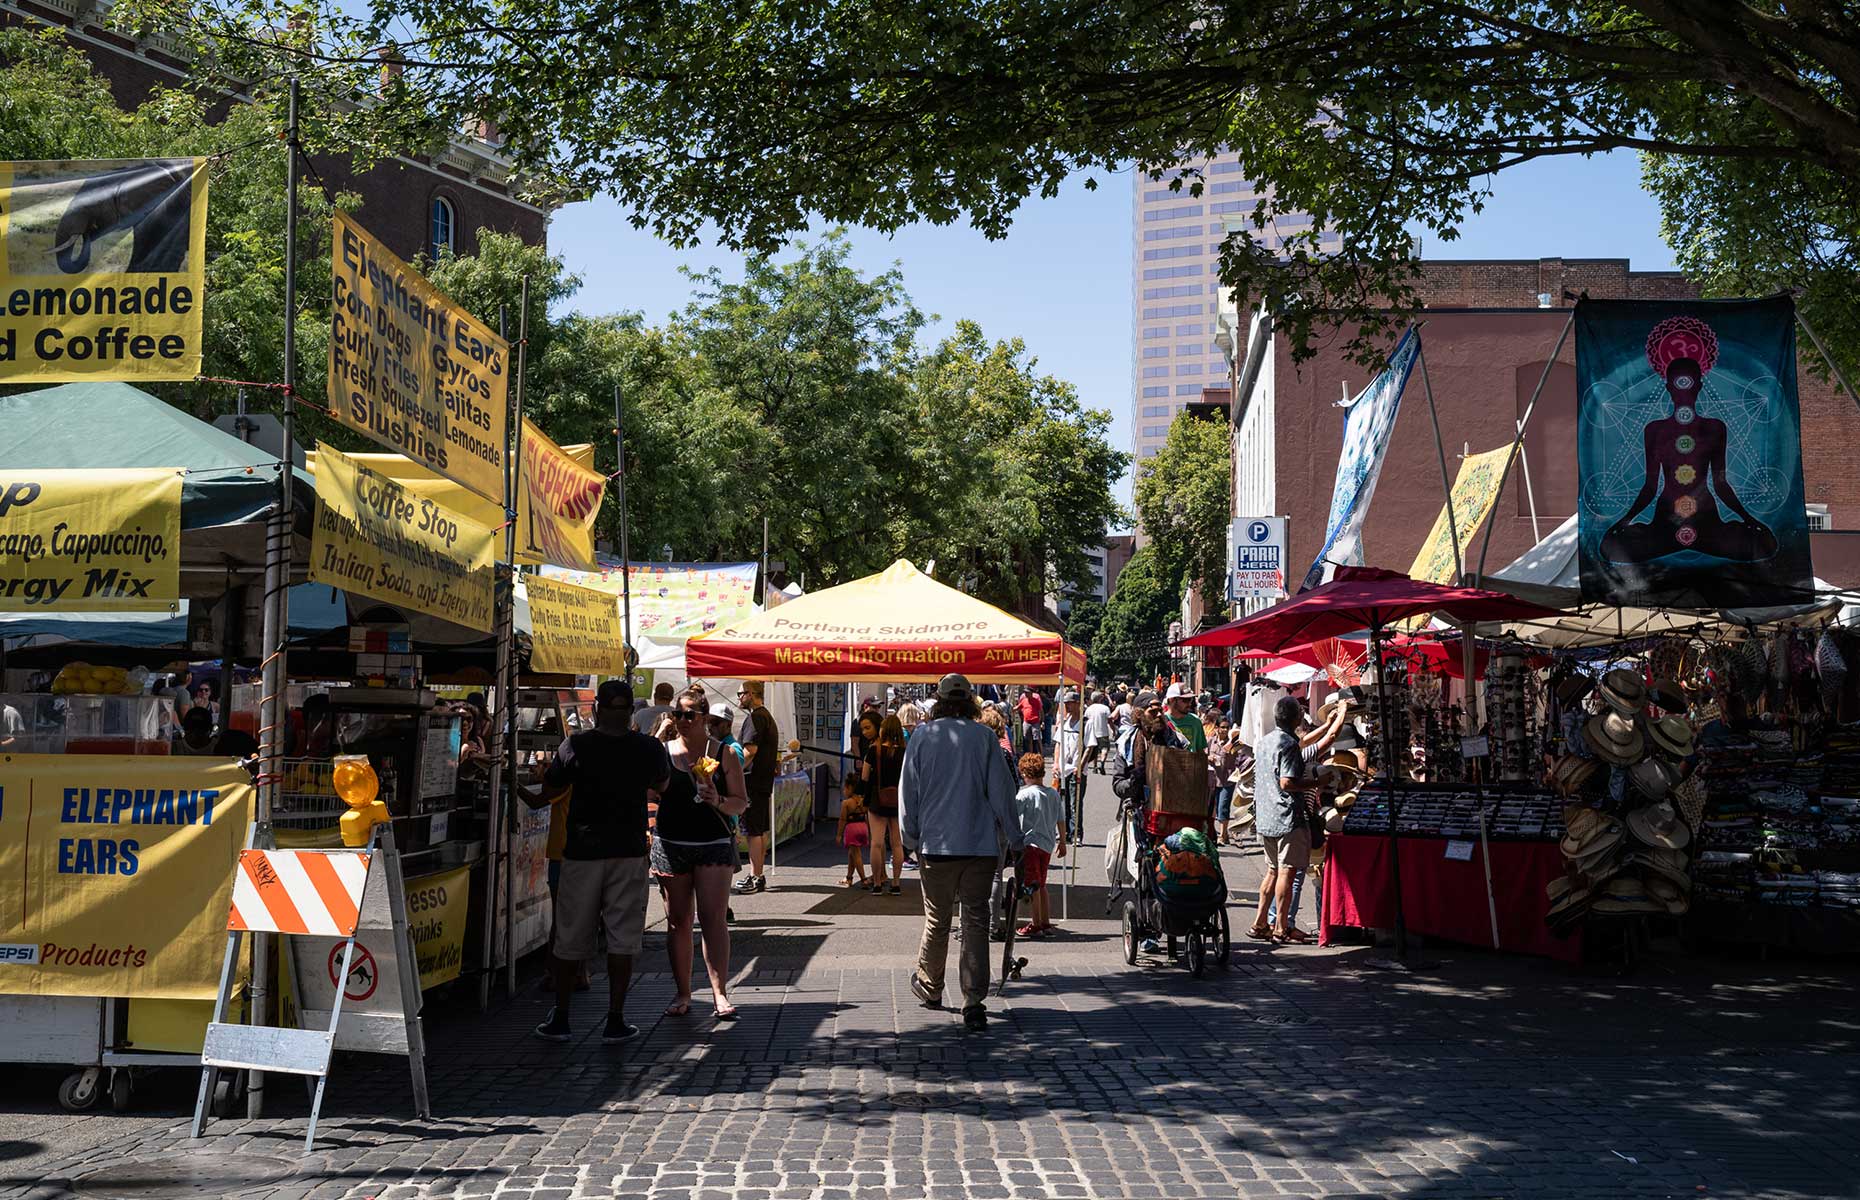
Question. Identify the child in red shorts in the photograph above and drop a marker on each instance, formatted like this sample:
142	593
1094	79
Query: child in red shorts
1042	822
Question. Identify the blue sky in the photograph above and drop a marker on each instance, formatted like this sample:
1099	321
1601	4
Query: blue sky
1060	280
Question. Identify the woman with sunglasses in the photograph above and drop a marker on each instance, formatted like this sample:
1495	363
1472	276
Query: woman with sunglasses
694	850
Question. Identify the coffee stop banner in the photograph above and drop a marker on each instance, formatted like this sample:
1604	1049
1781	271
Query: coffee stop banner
375	537
88	541
103	274
573	630
1689	454
412	369
116	873
1366	431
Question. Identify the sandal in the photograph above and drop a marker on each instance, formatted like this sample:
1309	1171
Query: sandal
678	1008
728	1013
1294	935
1261	933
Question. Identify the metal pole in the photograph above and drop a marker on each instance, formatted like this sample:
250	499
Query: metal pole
1826	357
506	600
1530	493
1393	768
626	575
510	714
1486	546
1446	483
274	709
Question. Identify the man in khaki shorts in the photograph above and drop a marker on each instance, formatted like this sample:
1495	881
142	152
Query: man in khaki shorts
1282	783
612	769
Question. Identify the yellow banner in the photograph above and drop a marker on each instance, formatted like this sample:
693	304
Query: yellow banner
116	873
413	370
573	630
1474	493
436	907
375	537
104	270
560	498
83	541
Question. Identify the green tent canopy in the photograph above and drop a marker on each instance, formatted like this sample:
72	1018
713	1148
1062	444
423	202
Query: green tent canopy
111	425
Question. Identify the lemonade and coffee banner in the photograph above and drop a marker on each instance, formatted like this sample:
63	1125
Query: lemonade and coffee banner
103	274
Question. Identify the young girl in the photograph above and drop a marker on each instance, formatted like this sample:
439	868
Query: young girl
854	833
1042	821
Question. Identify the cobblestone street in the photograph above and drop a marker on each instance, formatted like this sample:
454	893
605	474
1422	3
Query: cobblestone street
1295	1072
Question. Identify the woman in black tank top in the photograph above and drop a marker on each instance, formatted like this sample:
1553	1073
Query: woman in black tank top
694	851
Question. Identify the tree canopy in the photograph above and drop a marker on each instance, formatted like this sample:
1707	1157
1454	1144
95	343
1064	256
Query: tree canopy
1131	640
1184	502
1375	120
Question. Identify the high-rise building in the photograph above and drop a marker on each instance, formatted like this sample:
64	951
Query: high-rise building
1175	289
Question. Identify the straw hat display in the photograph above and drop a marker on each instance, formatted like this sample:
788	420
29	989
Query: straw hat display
1631	859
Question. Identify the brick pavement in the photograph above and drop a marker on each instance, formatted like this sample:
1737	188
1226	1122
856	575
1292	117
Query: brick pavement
1291	1073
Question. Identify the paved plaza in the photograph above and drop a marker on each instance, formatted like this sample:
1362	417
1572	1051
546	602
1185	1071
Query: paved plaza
1296	1071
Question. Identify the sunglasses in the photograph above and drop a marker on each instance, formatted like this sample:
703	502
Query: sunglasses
689	714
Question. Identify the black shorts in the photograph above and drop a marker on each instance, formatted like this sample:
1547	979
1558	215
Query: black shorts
756	818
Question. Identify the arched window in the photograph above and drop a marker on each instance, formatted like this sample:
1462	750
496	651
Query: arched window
440	227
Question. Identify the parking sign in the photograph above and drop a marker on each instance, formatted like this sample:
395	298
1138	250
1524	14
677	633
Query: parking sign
1257	563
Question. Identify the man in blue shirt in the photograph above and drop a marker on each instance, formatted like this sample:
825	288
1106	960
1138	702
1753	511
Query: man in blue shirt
956	803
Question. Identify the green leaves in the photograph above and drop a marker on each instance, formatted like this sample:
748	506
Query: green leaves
1183	496
1132	636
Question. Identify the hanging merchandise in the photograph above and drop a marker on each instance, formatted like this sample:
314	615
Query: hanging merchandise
1689	454
1512	716
104	267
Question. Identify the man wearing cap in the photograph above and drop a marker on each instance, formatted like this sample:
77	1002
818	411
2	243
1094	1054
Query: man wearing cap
1097	730
611	768
956	802
1068	757
764	753
1282	787
1180	702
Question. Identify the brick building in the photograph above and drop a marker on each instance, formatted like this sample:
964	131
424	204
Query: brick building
1488	330
412	203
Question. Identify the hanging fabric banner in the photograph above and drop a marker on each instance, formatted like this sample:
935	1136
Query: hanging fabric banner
560	498
1689	454
1475	491
412	369
116	873
104	270
90	541
375	537
573	630
675	601
1366	430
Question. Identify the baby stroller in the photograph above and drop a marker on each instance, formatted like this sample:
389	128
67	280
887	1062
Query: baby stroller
1180	895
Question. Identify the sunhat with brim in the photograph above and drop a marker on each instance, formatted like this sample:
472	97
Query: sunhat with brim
1659	825
1571	901
1674	897
1357	759
1663	861
1581	822
1614	739
1333	820
1625	894
1592	842
1572	772
1344	801
1572	688
1332	778
1652	778
1671	736
1667	696
1623	691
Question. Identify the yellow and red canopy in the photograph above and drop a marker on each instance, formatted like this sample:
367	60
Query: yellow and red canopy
899	626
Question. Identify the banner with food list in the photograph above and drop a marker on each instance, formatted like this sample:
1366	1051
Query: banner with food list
102	269
573	630
375	537
412	369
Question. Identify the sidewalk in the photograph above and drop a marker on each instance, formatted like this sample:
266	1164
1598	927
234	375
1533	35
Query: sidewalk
1293	1072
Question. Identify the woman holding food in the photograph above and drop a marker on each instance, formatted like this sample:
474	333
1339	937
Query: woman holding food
694	850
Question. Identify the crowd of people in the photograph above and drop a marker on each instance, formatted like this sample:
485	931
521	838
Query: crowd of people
955	785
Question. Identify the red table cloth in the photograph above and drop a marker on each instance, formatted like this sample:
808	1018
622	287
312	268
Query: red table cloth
1445	898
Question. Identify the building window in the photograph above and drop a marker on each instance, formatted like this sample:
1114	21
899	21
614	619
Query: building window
1155	372
1171	252
1188	389
1226	168
1194	330
1155	431
1172	272
1818	517
1164	311
1172	293
1180	210
1156	391
1150	451
1188	349
1158	331
441	227
1155	410
1156	351
1188	368
1166	235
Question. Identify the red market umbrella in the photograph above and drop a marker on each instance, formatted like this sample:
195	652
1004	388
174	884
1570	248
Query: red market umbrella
1360	598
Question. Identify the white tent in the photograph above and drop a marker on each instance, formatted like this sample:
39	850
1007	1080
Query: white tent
1549	573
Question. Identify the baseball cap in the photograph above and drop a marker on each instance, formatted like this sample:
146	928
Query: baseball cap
1178	689
953	686
722	711
614	693
1067	695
